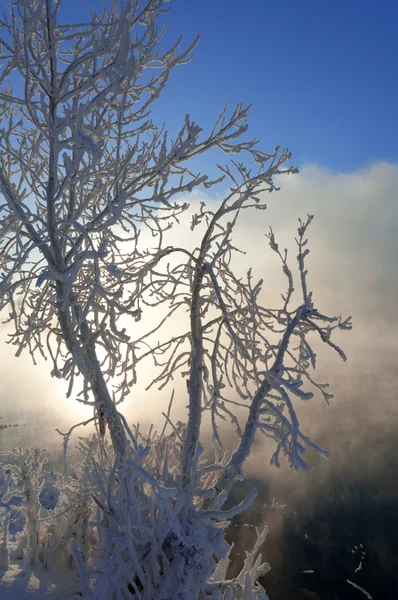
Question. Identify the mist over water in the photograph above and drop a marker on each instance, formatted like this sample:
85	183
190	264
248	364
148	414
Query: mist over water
351	498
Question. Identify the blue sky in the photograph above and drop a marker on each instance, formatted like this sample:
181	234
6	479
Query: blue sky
322	76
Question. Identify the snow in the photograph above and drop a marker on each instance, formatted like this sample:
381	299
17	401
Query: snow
359	567
364	592
21	583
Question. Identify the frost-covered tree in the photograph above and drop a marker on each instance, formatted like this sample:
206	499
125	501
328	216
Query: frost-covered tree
84	173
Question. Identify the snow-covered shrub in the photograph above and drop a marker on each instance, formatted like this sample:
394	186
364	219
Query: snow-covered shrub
53	510
26	466
69	519
155	539
130	529
49	493
4	552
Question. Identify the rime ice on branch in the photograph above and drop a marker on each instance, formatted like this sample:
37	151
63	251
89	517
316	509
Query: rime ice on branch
83	172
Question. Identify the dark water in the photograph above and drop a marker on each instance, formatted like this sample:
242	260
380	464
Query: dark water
330	533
